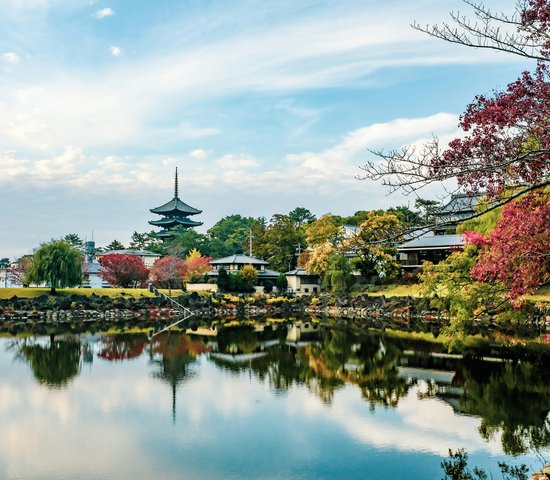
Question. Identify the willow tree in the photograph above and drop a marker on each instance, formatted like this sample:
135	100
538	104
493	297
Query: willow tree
57	264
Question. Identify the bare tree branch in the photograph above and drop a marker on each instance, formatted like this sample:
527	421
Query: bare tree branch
492	31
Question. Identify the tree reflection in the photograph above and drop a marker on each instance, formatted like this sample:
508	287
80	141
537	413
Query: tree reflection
513	399
124	346
55	364
339	357
173	356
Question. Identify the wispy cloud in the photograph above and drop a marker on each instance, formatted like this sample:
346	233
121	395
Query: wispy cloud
116	51
199	154
11	57
334	167
103	13
236	162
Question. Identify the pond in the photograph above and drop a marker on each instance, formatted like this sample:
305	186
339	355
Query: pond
264	405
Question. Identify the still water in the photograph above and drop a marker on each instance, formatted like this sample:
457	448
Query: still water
256	405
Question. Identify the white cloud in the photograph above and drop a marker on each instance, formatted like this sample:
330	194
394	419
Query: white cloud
104	12
236	162
332	170
114	163
200	154
11	57
116	51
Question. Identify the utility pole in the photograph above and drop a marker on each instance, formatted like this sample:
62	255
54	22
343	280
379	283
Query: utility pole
250	240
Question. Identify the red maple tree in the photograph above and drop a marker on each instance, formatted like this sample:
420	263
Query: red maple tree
517	251
168	272
121	270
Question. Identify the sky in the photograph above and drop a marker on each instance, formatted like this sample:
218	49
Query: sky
263	107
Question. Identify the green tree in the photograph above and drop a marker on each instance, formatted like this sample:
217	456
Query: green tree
115	245
186	239
56	263
356	219
4	262
282	282
338	275
277	242
147	241
426	208
223	280
228	236
301	216
74	240
259	231
452	290
236	283
375	244
409	217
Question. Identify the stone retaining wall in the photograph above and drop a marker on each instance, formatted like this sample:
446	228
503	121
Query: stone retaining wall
544	474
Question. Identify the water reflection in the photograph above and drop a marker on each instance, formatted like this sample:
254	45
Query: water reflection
55	363
123	346
512	400
173	357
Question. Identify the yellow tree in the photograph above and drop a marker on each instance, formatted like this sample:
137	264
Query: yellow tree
249	275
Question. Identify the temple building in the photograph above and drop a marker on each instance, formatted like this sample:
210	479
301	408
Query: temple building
174	213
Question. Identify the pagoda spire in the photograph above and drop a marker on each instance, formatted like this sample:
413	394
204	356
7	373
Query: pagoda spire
176	184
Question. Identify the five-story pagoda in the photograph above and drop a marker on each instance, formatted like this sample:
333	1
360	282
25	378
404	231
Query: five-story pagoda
174	213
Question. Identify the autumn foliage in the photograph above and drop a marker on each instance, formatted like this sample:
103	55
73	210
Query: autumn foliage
507	141
121	270
168	271
517	251
195	267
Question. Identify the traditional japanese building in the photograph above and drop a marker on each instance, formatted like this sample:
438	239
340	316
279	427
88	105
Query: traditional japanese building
174	213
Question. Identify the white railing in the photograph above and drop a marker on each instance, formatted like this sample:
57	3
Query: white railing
184	310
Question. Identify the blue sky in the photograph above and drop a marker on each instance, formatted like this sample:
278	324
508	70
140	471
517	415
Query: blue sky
263	106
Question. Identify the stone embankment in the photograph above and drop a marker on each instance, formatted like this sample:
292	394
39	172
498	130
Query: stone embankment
544	474
72	309
409	309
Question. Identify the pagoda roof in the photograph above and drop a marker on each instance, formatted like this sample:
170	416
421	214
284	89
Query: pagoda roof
168	222
175	206
459	203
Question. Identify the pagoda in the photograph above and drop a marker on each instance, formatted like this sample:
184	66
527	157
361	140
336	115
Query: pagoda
174	213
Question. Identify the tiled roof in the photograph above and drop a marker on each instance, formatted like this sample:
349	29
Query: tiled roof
176	205
432	242
299	272
461	203
239	259
129	251
173	221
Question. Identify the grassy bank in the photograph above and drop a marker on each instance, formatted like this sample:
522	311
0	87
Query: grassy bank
392	290
6	293
414	290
